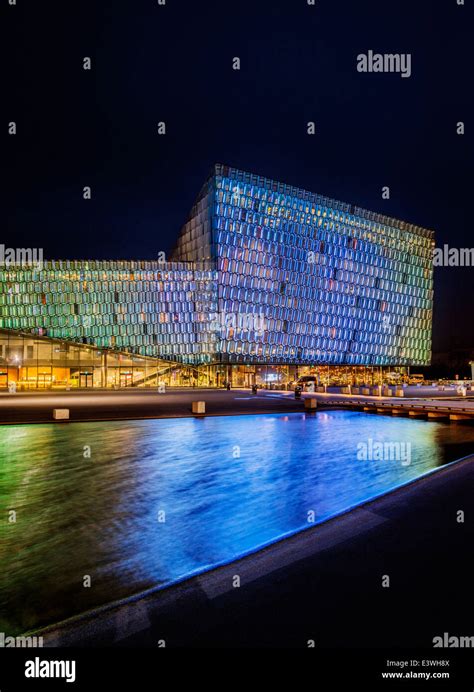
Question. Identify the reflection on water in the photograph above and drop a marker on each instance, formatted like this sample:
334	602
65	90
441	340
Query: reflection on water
223	485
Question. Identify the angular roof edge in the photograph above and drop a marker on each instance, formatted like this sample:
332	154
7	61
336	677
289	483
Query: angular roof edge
291	190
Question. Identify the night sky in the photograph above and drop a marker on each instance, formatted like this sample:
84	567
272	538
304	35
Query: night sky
174	64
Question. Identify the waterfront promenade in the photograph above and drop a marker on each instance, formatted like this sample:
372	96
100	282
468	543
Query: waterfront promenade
127	405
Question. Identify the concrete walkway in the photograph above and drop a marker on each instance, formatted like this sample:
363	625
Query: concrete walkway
37	407
438	409
122	405
324	584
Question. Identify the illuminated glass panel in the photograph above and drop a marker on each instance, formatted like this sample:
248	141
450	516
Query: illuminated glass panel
262	272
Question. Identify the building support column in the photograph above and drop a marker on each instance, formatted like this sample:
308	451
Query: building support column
103	370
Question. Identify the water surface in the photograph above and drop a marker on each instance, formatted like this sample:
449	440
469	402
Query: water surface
138	504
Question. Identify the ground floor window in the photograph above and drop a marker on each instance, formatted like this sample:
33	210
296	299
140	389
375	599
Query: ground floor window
38	363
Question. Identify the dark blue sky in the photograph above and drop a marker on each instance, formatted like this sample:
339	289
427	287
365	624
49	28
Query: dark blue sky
174	64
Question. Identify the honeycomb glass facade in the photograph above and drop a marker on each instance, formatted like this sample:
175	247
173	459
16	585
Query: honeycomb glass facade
306	279
147	308
263	274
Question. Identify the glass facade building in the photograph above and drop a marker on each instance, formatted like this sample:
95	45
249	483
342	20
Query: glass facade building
263	275
147	308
